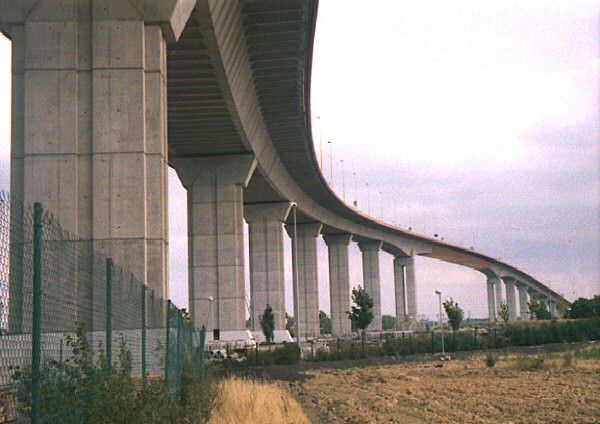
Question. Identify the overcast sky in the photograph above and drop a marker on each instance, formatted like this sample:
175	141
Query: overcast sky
475	120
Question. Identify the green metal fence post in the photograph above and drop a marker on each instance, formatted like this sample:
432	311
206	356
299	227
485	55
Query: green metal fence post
178	359
202	341
143	305
109	278
36	336
167	344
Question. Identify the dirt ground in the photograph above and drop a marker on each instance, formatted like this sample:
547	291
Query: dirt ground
464	391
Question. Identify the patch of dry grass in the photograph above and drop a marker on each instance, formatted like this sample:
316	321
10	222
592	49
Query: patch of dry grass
244	401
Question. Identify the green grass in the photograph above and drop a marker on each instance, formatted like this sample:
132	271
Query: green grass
593	353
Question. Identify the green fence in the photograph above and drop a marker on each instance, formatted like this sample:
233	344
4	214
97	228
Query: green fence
67	314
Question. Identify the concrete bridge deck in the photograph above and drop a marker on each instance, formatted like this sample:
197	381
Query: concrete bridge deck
220	91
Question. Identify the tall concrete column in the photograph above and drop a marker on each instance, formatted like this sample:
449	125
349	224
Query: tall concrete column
216	237
370	261
267	284
491	298
511	300
339	281
308	278
498	288
89	121
405	291
552	308
523	299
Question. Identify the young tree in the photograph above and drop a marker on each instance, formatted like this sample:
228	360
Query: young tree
537	308
454	312
503	312
361	313
324	323
455	317
585	308
289	324
388	322
267	324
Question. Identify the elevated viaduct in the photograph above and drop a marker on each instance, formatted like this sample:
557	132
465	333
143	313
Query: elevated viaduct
107	94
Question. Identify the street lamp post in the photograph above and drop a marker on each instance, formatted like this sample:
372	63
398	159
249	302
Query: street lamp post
439	293
343	182
320	145
355	193
368	200
330	142
295	279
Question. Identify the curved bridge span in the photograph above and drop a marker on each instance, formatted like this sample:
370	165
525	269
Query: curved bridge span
219	90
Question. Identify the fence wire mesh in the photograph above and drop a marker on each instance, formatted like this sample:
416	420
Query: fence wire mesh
91	316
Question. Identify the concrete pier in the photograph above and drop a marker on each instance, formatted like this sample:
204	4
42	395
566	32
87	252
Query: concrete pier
339	281
216	237
308	281
89	122
491	298
405	292
267	285
511	300
370	261
523	299
498	289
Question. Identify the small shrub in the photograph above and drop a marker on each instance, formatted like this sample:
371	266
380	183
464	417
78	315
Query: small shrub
530	363
490	360
567	360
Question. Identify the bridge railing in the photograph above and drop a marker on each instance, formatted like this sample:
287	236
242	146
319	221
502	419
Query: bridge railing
64	309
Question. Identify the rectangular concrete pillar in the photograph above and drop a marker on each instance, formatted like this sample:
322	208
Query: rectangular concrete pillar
267	284
89	122
491	298
523	299
339	281
511	300
405	292
400	292
370	260
498	288
216	237
308	278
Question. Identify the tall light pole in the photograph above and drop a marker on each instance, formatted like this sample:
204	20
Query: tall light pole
320	144
330	142
355	193
439	293
295	282
381	205
210	302
343	182
368	200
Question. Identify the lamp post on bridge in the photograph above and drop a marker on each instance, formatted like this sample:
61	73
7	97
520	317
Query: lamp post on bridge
343	182
330	142
368	200
320	144
355	192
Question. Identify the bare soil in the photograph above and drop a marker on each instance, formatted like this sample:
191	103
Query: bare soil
464	391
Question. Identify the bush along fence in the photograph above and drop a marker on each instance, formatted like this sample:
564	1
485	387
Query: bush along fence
74	326
522	333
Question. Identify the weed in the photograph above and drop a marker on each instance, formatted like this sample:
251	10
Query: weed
567	360
530	363
490	360
593	353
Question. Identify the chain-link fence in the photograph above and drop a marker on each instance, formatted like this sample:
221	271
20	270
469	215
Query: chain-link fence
67	315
